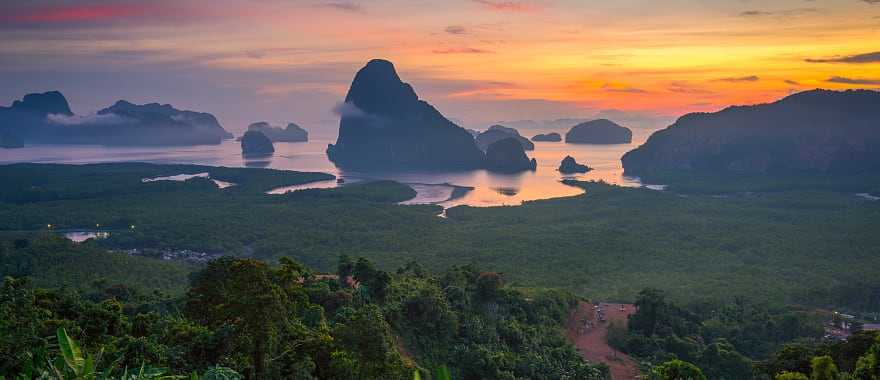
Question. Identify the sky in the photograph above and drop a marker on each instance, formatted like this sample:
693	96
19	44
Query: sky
640	62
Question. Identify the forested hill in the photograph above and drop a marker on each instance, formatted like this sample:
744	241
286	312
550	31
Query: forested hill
245	317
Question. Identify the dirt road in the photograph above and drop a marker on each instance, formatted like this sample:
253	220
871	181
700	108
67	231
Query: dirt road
589	337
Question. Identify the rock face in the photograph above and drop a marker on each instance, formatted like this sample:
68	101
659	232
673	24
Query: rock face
570	166
292	133
500	132
814	131
255	143
47	118
601	131
508	156
549	137
384	125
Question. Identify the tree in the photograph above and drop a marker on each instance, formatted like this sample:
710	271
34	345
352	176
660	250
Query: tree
791	376
823	368
868	366
489	283
616	336
651	309
721	361
240	293
677	370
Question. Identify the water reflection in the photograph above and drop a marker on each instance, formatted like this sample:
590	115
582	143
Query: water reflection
257	161
81	236
543	183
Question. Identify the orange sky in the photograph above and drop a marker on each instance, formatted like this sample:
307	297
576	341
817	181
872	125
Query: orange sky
478	60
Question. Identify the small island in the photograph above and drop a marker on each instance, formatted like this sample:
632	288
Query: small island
292	133
500	132
570	166
508	156
256	144
601	131
548	137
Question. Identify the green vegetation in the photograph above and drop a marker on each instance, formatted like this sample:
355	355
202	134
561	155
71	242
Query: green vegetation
742	341
51	261
284	321
723	339
815	248
728	183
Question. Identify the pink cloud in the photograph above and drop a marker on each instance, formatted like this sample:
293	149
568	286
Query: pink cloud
462	51
506	5
81	13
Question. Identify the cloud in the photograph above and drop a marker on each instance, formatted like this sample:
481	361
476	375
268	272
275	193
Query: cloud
872	2
347	109
791	82
783	13
681	87
462	51
750	78
872	57
857	81
506	6
753	13
622	89
36	13
102	119
347	6
456	29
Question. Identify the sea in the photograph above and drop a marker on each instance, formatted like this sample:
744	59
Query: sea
479	188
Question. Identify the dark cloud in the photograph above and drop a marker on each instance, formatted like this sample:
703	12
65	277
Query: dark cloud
791	82
750	78
456	29
347	6
462	51
857	81
858	58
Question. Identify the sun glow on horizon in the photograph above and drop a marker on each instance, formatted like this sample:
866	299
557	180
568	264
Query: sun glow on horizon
478	62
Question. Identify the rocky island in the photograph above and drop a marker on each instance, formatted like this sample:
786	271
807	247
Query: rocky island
256	144
292	133
570	166
500	132
601	131
548	137
813	131
47	118
384	125
508	156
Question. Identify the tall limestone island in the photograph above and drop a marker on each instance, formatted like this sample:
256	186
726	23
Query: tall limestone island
813	131
601	131
508	156
384	125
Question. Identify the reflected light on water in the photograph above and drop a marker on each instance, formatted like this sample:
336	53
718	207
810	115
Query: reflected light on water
489	189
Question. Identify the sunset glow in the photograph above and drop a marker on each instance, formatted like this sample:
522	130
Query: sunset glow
478	61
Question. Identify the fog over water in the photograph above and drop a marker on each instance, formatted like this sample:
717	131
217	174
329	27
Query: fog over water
489	189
